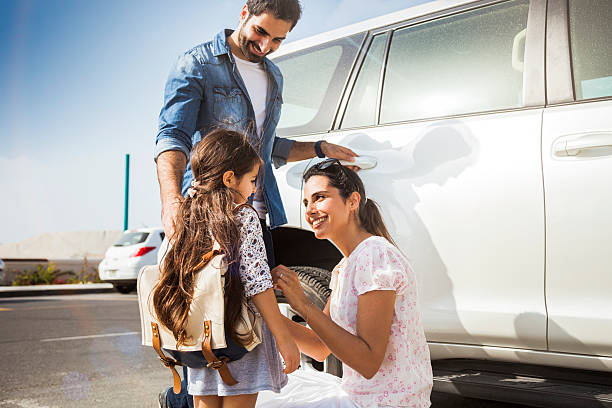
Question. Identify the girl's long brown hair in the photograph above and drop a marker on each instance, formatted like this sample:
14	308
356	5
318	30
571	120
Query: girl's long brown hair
210	213
347	182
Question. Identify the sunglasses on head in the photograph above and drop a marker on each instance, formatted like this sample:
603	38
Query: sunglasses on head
327	163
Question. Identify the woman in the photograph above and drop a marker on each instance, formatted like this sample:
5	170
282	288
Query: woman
371	321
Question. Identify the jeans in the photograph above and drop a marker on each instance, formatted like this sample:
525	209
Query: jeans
183	399
267	236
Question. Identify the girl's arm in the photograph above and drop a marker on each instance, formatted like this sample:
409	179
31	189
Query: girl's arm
364	351
266	304
257	281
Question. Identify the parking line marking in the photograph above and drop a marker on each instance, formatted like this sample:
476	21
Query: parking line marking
93	336
5	309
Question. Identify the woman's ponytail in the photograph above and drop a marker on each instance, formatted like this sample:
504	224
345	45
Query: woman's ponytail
372	221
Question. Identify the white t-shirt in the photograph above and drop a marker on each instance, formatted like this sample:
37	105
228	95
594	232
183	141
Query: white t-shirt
256	81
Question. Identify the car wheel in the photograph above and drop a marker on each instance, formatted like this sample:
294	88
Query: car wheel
315	282
125	289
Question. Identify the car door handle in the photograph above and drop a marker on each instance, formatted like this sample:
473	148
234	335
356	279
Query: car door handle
592	144
363	162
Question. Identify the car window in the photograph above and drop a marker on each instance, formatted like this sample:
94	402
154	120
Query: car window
313	83
463	63
591	47
131	238
361	108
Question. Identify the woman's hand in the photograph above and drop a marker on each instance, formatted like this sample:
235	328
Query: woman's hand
287	280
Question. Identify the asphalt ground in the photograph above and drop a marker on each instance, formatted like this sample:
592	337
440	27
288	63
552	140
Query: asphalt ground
76	351
84	351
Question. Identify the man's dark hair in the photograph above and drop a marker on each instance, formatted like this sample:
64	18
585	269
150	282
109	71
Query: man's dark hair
288	10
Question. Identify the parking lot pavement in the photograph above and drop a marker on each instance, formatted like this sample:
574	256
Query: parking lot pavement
50	290
84	351
76	351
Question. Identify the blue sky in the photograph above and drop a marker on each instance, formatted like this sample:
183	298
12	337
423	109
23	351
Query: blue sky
82	86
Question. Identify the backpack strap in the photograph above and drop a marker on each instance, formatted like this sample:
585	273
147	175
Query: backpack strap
168	362
214	362
206	258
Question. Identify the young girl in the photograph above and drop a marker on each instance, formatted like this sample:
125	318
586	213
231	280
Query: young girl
225	168
371	321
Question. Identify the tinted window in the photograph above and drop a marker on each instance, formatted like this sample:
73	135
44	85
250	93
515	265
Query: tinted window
458	64
361	108
591	44
132	238
313	83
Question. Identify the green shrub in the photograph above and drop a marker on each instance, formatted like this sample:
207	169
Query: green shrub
43	275
87	274
48	275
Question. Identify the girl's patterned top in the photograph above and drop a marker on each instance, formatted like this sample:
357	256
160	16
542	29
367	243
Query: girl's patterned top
254	270
404	378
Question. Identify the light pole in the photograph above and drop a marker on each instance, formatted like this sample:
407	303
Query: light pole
127	191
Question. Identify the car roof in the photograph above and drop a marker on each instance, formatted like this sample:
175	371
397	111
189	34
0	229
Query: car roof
371	24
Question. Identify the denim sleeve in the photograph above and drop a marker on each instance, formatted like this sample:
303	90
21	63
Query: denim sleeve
280	151
183	95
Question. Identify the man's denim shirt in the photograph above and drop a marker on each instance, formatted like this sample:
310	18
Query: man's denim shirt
204	91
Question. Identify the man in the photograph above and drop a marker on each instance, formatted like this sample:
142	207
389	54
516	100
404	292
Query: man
229	82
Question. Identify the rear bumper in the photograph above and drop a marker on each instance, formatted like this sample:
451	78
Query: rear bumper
123	273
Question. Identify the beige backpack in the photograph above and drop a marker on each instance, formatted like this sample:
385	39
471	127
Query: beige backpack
206	343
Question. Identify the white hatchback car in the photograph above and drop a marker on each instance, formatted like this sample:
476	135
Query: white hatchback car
122	261
486	131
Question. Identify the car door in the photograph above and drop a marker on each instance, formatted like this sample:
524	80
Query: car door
449	106
314	77
577	162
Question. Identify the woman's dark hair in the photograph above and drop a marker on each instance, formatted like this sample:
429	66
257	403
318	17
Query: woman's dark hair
288	10
209	213
347	182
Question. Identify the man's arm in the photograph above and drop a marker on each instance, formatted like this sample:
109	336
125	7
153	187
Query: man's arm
171	166
184	93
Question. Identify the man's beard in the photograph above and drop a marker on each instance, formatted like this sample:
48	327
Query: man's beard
244	45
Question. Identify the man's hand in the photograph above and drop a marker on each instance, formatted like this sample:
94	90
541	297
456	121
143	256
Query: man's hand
170	168
170	207
334	151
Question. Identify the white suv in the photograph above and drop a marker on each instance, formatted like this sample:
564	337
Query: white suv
488	131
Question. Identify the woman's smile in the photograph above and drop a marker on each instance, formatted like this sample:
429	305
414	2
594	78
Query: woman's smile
316	222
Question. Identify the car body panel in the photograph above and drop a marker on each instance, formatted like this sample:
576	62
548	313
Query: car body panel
119	264
579	230
481	194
